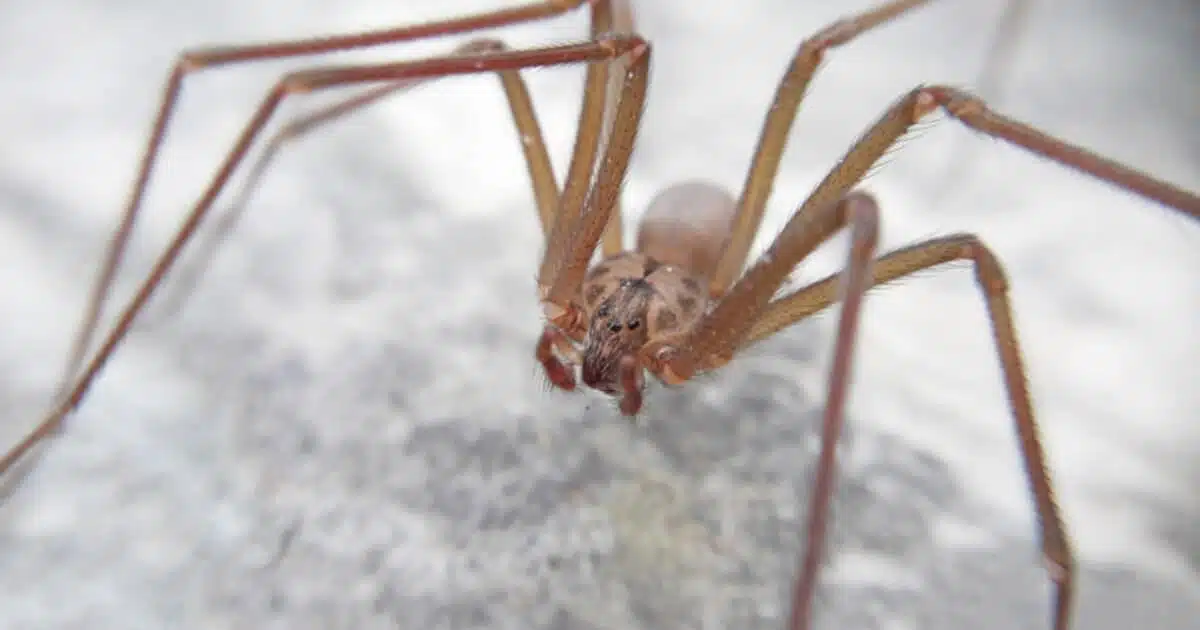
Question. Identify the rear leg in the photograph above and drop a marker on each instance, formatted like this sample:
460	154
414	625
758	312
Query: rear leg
993	284
747	313
189	276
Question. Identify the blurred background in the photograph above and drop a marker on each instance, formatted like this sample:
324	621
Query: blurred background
343	425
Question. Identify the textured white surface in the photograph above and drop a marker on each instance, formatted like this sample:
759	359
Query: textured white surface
356	369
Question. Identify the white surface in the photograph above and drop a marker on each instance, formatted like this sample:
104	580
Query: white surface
1104	285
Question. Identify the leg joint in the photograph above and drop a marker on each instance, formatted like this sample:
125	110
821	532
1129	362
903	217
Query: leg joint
988	270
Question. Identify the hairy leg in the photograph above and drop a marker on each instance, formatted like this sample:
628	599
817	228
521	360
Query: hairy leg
771	143
723	330
993	283
745	313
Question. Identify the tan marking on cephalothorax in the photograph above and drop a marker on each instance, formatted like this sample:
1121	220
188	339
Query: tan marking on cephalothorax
674	285
666	321
592	296
686	305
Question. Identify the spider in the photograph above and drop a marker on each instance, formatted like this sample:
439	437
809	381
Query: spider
683	302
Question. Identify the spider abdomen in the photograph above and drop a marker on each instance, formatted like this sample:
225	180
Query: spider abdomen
687	224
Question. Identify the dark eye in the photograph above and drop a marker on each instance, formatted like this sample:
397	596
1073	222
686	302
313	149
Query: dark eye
633	324
614	326
604	311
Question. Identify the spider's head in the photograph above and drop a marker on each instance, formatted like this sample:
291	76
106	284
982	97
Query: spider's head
617	328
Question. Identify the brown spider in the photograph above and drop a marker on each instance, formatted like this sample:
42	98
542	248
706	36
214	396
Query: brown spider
679	304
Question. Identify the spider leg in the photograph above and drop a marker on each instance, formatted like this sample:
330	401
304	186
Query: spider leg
613	241
578	229
612	104
603	89
533	144
745	315
607	16
773	138
192	61
601	50
714	340
188	277
732	318
804	302
971	111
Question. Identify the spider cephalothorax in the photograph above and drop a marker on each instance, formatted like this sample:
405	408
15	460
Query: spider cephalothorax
629	300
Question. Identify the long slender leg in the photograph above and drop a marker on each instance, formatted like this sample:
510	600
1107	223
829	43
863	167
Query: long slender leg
560	279
725	329
193	61
600	87
533	144
599	103
989	273
189	274
761	176
974	113
715	338
803	233
864	216
623	21
601	50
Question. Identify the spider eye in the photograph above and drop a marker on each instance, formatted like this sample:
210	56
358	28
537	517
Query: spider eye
614	326
633	324
604	311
